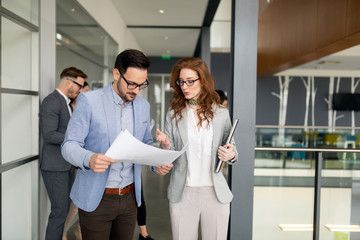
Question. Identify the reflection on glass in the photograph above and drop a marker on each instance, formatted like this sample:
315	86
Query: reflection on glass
18	48
300	137
154	98
19	191
18	126
284	183
78	34
26	9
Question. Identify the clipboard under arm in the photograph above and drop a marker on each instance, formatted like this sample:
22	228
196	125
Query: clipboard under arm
220	163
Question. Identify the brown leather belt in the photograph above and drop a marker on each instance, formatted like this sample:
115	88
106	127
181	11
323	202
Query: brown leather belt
120	191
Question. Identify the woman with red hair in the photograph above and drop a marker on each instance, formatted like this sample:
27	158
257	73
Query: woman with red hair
196	192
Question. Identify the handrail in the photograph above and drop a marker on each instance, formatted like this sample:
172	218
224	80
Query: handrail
306	127
300	149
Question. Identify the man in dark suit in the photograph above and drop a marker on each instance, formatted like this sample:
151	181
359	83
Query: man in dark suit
58	175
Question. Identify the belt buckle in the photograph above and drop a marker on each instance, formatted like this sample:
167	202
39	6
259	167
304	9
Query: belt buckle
124	188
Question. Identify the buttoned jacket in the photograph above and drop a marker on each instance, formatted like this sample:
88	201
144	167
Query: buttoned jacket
54	117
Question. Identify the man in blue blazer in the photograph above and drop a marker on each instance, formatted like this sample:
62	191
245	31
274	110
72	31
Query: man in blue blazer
58	175
106	191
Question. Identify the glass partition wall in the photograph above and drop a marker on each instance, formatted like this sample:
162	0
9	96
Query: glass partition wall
19	107
81	42
285	190
159	95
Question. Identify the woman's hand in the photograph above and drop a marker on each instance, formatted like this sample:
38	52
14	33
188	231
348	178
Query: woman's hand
226	152
162	170
163	139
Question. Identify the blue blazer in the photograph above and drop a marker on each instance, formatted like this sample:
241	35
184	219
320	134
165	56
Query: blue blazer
92	129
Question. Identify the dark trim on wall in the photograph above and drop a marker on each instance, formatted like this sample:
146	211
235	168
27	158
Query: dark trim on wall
209	17
176	27
210	12
16	163
19	91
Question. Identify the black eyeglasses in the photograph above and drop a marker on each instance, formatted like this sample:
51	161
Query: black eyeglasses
132	86
188	82
81	86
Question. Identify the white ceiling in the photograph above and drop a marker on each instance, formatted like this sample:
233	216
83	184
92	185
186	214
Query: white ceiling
345	63
176	31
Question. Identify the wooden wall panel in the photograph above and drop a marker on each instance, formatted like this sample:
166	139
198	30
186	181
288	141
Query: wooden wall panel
306	15
353	17
267	38
286	22
293	32
331	21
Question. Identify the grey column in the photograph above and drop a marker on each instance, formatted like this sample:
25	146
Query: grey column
47	85
244	51
205	46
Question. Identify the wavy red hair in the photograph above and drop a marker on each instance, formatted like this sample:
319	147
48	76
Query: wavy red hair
207	96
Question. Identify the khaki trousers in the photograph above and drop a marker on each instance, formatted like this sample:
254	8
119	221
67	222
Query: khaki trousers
199	204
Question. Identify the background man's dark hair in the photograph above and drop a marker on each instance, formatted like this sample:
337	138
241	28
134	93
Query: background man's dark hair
222	95
72	72
131	58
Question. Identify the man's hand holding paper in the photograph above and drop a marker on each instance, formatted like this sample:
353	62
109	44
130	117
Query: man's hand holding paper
127	148
99	162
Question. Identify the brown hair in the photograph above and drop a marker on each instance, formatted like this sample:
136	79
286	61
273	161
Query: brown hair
72	72
207	96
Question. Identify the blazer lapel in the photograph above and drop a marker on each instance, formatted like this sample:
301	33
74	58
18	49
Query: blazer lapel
182	126
183	130
107	99
63	102
217	135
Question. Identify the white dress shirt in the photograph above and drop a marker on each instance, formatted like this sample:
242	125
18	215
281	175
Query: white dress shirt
67	100
199	152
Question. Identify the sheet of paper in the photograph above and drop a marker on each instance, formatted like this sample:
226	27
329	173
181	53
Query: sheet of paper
127	148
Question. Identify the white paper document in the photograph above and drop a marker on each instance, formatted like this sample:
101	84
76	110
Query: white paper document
126	148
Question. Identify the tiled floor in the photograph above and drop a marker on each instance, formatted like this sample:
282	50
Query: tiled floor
157	207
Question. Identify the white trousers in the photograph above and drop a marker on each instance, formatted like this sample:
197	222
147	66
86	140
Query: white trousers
199	204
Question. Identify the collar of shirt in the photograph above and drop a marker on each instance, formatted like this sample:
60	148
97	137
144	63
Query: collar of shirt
117	99
66	98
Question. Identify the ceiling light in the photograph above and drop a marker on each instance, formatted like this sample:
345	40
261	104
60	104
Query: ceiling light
296	227
168	51
343	228
73	10
166	37
161	11
58	36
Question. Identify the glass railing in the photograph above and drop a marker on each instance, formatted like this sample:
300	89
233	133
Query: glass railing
307	183
301	137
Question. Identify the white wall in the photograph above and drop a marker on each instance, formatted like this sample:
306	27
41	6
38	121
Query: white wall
105	13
